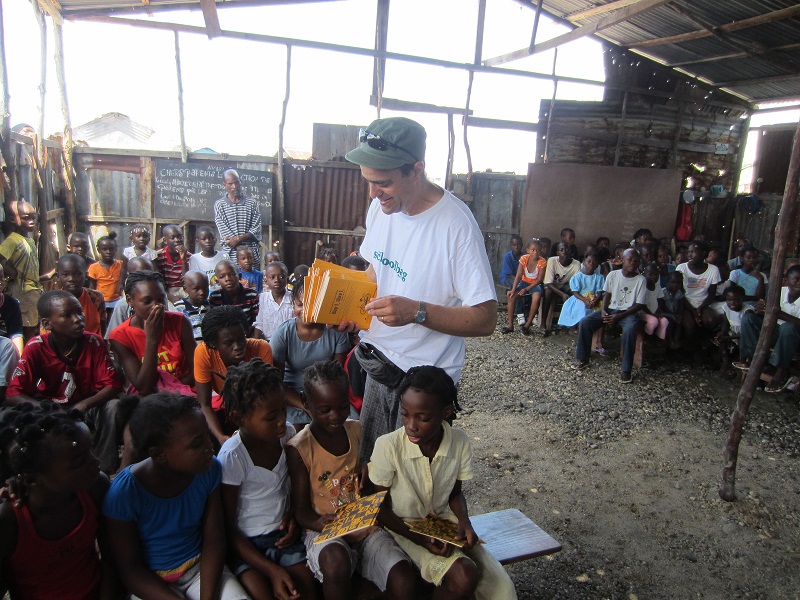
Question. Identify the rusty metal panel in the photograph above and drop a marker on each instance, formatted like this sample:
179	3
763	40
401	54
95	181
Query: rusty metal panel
325	197
495	200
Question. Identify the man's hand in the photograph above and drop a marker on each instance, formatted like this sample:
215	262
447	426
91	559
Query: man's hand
393	311
282	585
610	319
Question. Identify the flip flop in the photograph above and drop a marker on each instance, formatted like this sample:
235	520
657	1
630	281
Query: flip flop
601	351
742	366
580	365
628	380
793	385
505	330
526	330
777	389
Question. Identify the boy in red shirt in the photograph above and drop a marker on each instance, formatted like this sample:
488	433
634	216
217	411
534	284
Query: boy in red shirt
72	367
173	262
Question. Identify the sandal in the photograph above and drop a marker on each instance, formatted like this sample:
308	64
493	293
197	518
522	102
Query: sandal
774	388
505	330
526	330
601	351
580	365
625	378
742	366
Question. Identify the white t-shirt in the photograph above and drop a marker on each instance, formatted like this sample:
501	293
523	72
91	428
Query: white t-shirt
625	291
130	252
734	317
264	493
271	314
558	274
696	286
198	262
437	256
652	297
790	308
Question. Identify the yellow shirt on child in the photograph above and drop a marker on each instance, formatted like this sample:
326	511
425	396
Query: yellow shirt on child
419	486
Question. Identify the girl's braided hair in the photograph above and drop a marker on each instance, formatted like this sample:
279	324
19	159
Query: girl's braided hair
142	276
23	432
322	372
249	383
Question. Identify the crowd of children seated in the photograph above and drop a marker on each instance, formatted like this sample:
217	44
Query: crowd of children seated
695	301
171	430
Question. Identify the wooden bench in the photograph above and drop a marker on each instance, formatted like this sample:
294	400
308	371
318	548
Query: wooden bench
512	537
509	536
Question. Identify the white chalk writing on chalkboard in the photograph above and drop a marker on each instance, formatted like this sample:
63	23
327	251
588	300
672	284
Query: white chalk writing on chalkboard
190	190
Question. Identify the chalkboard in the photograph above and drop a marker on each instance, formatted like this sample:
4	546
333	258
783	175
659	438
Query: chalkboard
598	200
189	190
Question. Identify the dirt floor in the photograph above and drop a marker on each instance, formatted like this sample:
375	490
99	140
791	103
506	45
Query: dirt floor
626	477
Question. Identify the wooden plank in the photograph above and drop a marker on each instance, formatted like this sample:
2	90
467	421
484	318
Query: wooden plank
394	104
770	17
757	81
501	124
52	8
580	15
325	231
512	537
210	16
114	219
559	129
637	8
271	39
52	214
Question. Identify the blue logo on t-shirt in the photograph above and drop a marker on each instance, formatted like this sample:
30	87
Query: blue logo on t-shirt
393	265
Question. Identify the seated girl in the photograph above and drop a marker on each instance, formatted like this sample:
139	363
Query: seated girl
785	339
528	281
224	345
265	550
653	314
49	537
587	293
297	345
154	346
748	277
164	514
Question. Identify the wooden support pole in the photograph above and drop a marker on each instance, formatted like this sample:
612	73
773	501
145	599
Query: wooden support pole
379	67
280	178
535	26
40	21
68	171
673	163
621	129
451	149
184	153
783	232
5	123
552	108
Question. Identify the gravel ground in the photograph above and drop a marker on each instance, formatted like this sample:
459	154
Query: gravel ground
626	476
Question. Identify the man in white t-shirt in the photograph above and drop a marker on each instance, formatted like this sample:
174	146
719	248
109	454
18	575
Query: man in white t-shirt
427	255
625	295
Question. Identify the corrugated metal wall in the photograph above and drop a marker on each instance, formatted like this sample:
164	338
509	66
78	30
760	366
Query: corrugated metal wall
496	201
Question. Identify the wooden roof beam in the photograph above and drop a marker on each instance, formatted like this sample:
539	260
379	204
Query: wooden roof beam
211	17
623	14
758	81
600	9
149	8
52	8
770	17
742	54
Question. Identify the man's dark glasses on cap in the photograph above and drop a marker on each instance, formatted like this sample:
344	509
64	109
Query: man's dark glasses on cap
377	142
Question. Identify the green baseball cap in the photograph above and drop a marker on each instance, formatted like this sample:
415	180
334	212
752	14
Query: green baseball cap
389	144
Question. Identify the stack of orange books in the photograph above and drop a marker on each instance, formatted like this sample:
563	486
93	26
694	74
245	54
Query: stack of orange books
334	294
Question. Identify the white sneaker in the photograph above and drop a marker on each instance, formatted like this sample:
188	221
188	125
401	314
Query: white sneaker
520	319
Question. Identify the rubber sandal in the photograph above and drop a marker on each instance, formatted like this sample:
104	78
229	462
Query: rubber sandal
601	351
505	330
776	389
580	365
623	380
742	366
526	330
793	385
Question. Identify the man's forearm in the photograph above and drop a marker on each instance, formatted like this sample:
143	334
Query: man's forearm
463	321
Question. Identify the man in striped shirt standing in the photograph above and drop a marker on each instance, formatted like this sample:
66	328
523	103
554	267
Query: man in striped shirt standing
238	218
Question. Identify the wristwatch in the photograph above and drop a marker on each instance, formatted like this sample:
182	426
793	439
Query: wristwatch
422	313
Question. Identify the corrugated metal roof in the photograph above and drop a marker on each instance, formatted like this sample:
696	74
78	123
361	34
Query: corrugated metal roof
686	16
